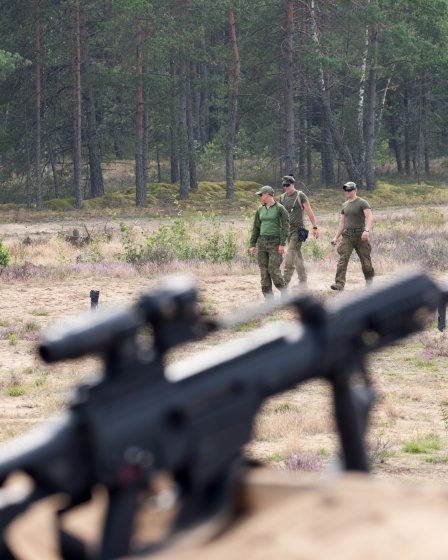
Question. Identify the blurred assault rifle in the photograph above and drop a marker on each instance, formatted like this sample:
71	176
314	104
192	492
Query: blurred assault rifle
192	419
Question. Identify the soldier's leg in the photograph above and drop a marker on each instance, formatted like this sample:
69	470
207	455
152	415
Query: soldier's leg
344	250
364	250
300	265
275	262
263	263
289	258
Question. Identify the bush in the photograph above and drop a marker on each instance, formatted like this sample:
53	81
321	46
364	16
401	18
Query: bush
184	240
5	255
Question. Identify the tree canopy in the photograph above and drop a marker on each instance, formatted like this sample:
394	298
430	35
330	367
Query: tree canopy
324	89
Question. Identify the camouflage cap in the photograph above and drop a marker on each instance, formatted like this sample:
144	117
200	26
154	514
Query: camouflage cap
265	190
349	186
288	180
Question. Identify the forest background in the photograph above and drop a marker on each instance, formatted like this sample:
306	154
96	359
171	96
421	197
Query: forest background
195	90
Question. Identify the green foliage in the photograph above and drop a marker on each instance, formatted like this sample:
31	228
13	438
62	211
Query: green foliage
281	408
8	63
276	458
423	444
181	239
12	338
60	204
16	391
132	252
5	255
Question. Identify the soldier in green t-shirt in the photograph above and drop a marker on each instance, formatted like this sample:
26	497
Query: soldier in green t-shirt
269	233
296	202
355	224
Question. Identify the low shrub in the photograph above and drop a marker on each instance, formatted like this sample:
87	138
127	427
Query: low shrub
5	255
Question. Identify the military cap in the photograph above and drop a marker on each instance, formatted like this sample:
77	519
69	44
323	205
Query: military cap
349	186
288	180
265	190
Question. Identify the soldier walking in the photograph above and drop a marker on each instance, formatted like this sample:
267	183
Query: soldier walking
269	233
295	203
355	223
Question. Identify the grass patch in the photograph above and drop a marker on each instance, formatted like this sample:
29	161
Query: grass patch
423	444
39	313
16	391
275	458
281	408
12	338
248	326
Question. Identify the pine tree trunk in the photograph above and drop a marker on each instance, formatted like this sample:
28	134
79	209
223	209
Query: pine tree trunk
289	91
309	158
326	138
424	105
77	108
184	163
234	92
326	153
190	134
407	144
195	80
38	155
393	141
361	104
28	162
159	170
370	128
204	102
174	162
140	187
146	101
93	144
352	169
118	135
53	169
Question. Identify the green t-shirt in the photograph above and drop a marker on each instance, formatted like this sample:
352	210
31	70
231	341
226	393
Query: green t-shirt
354	213
294	205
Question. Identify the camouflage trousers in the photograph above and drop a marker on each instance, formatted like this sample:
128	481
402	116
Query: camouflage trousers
352	240
294	259
269	262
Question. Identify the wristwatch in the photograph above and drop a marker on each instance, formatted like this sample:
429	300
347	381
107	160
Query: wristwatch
314	227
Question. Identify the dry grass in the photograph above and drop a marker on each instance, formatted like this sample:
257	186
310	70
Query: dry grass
50	279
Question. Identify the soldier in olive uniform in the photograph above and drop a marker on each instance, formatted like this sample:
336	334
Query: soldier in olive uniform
295	203
355	223
269	234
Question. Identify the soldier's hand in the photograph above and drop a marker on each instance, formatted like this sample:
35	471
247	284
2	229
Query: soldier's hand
315	233
334	241
252	251
281	250
365	236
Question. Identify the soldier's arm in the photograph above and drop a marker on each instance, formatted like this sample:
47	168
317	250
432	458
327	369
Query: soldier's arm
255	230
284	225
339	230
369	221
312	218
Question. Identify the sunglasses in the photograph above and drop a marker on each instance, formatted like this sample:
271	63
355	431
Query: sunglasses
349	190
